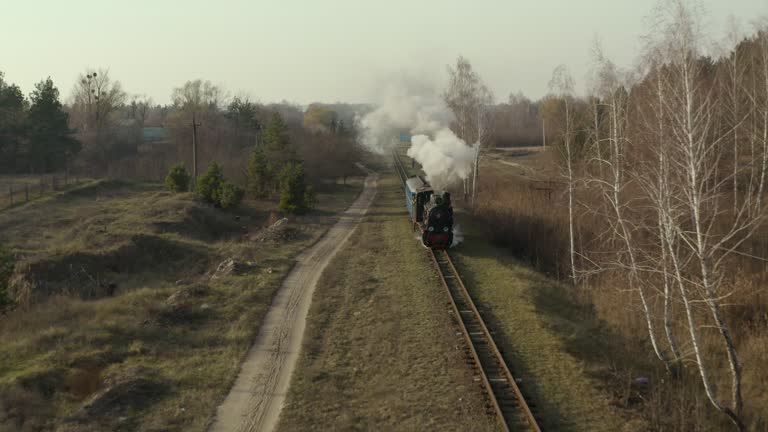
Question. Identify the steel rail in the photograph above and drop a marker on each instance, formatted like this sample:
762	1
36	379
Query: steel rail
493	348
470	344
449	271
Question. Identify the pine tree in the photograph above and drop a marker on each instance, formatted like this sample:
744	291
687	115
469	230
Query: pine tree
259	177
276	135
50	141
277	149
13	127
208	185
293	189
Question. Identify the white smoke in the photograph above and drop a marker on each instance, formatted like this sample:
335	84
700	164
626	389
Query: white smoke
416	107
458	235
445	159
404	105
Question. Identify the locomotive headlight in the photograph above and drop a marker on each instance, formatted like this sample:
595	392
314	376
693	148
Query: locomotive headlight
445	229
431	228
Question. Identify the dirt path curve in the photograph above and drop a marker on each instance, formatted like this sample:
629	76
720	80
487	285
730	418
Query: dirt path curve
255	401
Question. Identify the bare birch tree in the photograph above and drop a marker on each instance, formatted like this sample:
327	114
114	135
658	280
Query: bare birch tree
697	238
562	84
733	102
469	99
622	222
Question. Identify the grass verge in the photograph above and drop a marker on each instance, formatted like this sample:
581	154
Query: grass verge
545	336
380	351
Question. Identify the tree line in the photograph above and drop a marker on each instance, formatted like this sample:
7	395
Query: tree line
35	136
664	173
103	131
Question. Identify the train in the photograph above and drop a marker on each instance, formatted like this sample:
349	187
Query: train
430	211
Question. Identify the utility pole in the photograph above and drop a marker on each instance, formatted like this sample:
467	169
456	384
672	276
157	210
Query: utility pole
543	134
195	124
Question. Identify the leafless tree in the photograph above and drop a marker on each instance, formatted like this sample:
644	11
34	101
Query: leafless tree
96	101
469	99
734	105
759	98
96	98
614	175
562	84
140	107
698	238
198	96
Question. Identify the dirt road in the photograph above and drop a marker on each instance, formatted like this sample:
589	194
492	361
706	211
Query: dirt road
255	401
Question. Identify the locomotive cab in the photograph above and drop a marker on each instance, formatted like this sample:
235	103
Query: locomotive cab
430	212
438	221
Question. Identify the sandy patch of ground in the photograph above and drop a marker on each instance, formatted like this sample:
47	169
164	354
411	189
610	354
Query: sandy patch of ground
255	401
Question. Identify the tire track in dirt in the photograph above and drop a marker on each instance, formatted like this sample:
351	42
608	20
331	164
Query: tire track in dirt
254	402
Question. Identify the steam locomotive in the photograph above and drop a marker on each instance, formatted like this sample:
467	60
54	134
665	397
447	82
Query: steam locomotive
431	213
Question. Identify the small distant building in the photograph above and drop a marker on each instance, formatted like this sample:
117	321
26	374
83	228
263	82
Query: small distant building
151	134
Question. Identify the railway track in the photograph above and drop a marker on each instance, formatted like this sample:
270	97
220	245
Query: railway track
399	167
506	400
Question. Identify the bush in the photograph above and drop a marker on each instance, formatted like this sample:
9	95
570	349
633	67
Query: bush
209	184
214	189
6	268
259	179
292	189
177	179
229	195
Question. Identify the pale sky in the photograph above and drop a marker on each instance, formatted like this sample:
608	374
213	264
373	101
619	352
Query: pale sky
331	50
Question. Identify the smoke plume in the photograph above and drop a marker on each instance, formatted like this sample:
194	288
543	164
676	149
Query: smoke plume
458	235
408	105
445	159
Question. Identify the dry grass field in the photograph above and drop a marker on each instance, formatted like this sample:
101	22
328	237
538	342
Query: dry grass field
19	189
136	306
523	210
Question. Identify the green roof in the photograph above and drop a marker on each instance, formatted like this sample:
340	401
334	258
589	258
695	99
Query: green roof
154	133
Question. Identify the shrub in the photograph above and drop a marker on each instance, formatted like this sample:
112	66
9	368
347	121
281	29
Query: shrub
177	179
229	195
259	178
209	184
292	189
